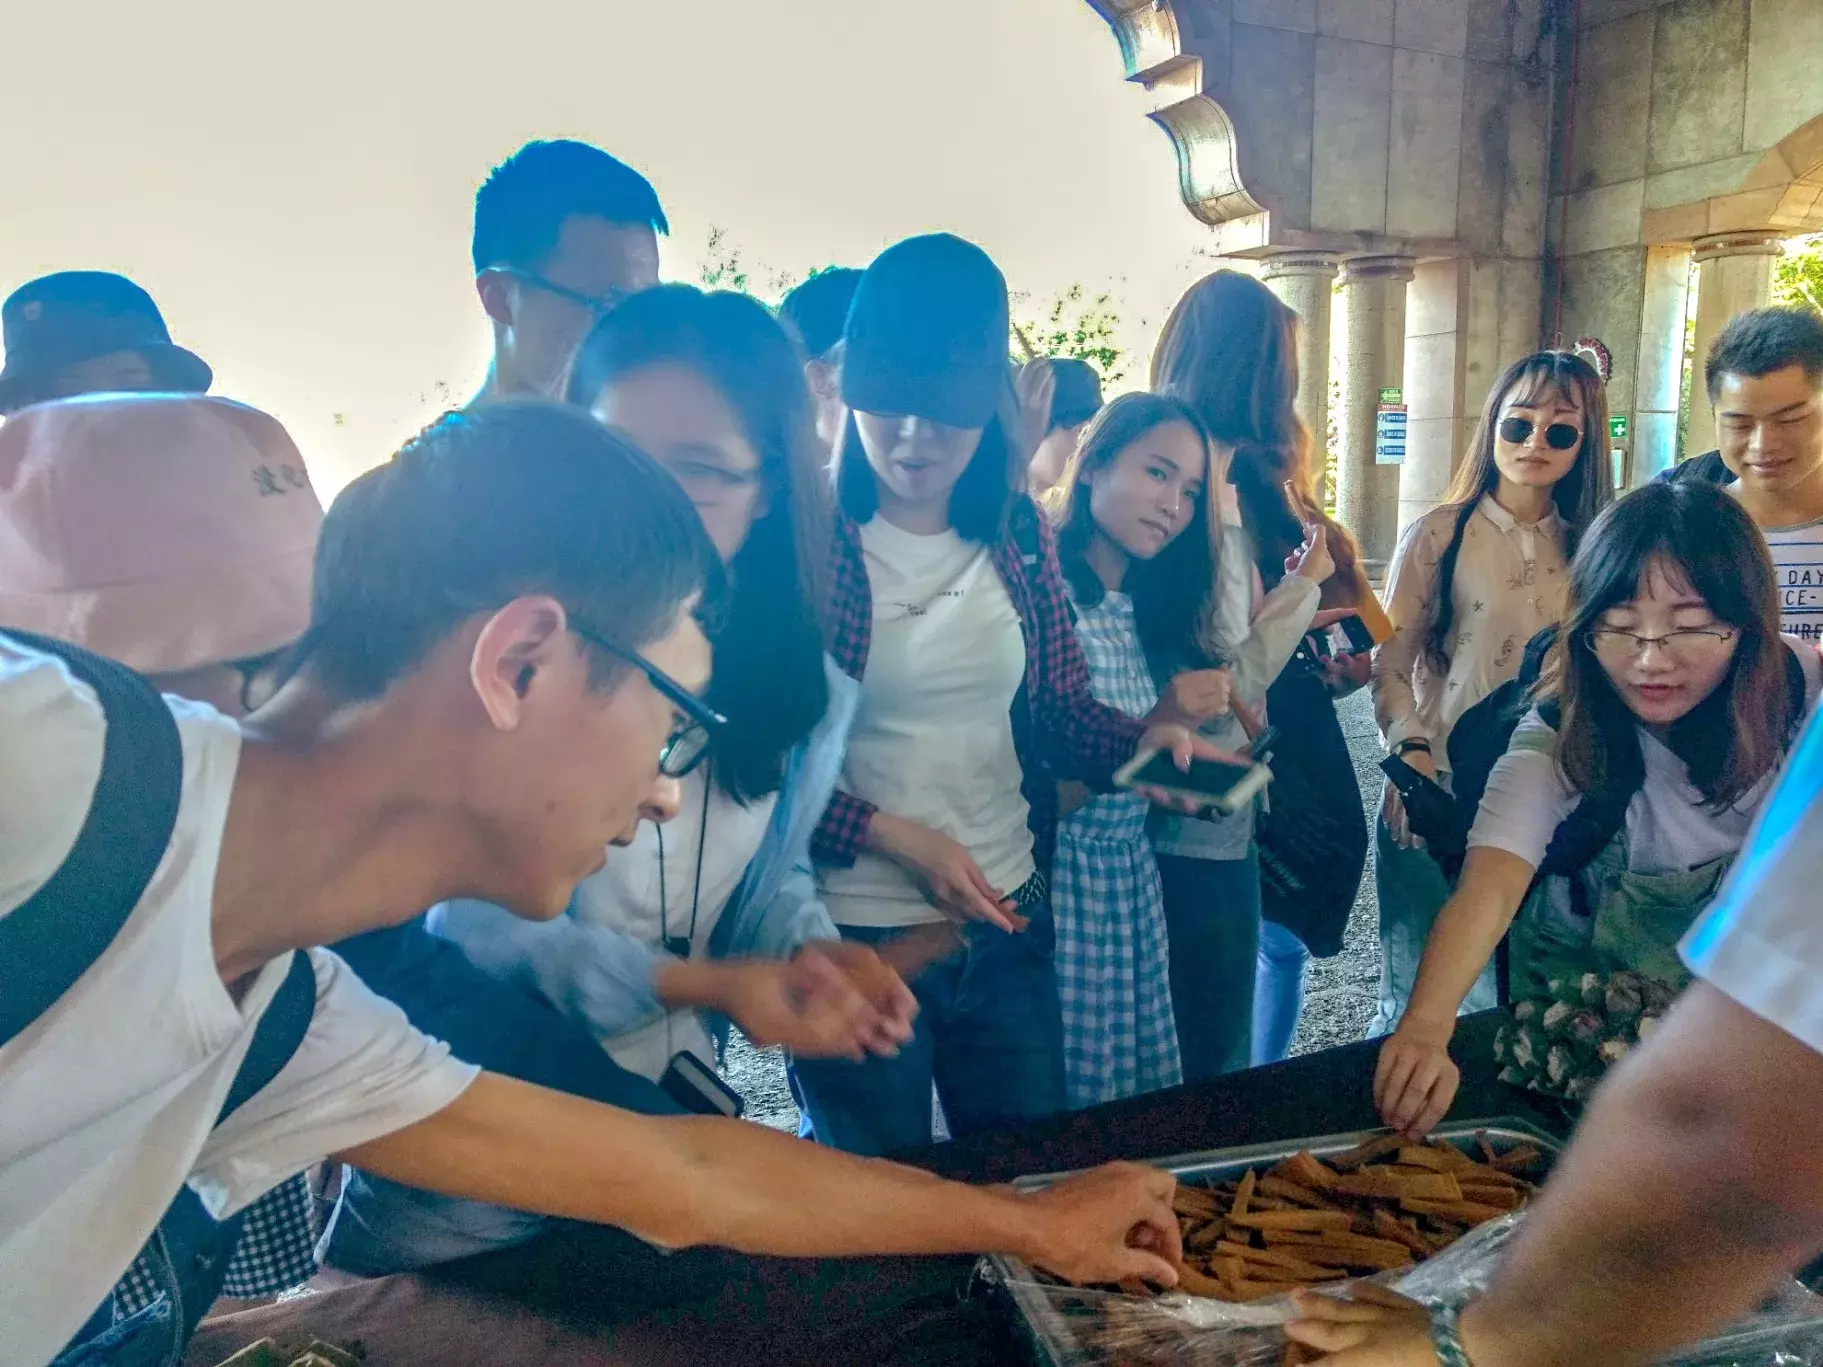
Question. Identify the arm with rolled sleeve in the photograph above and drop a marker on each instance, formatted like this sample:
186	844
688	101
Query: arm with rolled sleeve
1411	585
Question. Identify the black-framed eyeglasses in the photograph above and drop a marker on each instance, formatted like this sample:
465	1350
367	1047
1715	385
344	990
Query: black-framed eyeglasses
598	307
1559	436
692	738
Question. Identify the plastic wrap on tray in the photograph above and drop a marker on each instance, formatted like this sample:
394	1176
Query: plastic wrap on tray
1111	1329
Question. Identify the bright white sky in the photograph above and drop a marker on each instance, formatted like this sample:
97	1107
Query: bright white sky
294	183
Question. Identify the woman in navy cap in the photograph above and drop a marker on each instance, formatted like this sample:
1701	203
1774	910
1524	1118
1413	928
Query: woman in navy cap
948	605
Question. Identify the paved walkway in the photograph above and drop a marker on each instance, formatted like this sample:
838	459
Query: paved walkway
1341	993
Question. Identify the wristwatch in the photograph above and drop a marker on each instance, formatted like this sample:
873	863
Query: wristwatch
1446	1336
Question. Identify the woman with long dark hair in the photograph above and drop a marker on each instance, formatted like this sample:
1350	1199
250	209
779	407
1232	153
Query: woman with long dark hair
1669	697
1136	537
670	937
1472	581
1229	352
949	607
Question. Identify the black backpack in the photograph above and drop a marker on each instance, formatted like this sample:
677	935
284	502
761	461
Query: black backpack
51	939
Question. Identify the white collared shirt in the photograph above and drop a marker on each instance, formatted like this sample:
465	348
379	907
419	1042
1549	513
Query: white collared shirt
1510	582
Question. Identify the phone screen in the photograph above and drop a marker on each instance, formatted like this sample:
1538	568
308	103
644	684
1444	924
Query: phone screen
1218	781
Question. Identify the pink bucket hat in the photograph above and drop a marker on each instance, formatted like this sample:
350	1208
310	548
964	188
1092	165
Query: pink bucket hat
167	531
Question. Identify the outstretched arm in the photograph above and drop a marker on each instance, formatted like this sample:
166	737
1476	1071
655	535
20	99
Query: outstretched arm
685	1181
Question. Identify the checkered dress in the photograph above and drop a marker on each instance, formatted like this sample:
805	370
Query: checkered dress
1113	973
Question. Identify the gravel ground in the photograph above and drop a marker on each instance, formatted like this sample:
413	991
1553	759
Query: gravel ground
1336	1010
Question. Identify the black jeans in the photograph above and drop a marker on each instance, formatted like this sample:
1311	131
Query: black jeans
1212	914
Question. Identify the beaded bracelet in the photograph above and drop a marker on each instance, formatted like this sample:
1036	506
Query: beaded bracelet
1446	1337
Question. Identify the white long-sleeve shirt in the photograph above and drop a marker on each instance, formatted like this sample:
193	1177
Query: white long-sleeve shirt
1509	584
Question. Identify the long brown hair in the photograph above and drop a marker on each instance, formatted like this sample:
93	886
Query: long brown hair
1737	735
1230	351
1582	493
1174	592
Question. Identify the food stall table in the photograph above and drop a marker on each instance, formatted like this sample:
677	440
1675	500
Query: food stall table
594	1298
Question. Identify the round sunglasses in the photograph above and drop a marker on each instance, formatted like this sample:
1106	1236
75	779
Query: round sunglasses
1559	436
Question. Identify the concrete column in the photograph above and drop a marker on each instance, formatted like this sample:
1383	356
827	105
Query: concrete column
1373	311
1651	444
1436	308
1303	281
1733	274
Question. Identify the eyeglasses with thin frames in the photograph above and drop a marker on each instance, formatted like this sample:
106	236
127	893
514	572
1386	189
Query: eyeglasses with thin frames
1559	436
1689	643
690	741
598	307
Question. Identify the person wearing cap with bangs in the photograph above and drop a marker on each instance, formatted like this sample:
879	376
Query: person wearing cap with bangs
90	332
947	603
501	671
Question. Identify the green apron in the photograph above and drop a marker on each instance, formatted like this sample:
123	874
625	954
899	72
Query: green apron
1637	922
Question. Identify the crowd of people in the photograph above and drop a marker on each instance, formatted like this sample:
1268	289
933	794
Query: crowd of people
719	667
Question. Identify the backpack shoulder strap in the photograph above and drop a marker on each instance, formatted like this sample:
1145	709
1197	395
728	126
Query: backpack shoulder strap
277	1037
49	940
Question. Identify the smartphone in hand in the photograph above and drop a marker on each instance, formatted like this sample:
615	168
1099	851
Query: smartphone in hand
1224	786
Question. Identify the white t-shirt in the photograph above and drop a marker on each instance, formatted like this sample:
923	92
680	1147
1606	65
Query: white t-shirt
933	735
1761	941
1797	562
624	896
1670	827
108	1098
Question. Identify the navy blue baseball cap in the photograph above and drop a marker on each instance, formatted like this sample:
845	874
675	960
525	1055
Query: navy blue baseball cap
64	319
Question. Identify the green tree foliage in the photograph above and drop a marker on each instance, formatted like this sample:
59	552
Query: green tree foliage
1798	279
725	268
1075	323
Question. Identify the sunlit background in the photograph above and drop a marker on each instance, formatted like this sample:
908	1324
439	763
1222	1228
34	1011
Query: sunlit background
294	184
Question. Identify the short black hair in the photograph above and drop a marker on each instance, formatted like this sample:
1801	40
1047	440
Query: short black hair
817	310
520	208
1764	340
493	503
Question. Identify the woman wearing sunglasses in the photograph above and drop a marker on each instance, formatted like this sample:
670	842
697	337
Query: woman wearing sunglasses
1471	582
1669	695
705	917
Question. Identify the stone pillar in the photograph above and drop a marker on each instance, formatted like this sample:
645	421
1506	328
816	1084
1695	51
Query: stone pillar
1303	281
1733	274
1373	310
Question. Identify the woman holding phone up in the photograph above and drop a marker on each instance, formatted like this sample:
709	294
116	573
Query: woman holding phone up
949	607
1668	701
1471	582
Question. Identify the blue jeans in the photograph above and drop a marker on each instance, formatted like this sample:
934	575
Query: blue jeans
1412	891
988	1034
381	1226
1212	915
1278	992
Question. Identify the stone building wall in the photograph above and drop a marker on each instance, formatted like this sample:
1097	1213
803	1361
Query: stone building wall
1481	179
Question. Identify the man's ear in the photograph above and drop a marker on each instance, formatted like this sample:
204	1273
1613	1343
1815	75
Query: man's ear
519	646
822	378
498	295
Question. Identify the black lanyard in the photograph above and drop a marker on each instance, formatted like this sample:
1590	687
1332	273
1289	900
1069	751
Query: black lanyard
679	946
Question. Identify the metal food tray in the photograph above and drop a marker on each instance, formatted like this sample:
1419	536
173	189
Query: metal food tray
1050	1337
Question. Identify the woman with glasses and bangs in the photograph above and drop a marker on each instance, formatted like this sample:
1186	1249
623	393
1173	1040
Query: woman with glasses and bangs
1472	581
1668	699
686	927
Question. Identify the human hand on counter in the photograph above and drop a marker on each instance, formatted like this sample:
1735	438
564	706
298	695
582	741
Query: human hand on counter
947	871
1372	1328
1106	1225
1415	1079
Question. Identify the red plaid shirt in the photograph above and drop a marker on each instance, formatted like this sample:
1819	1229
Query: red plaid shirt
1059	730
